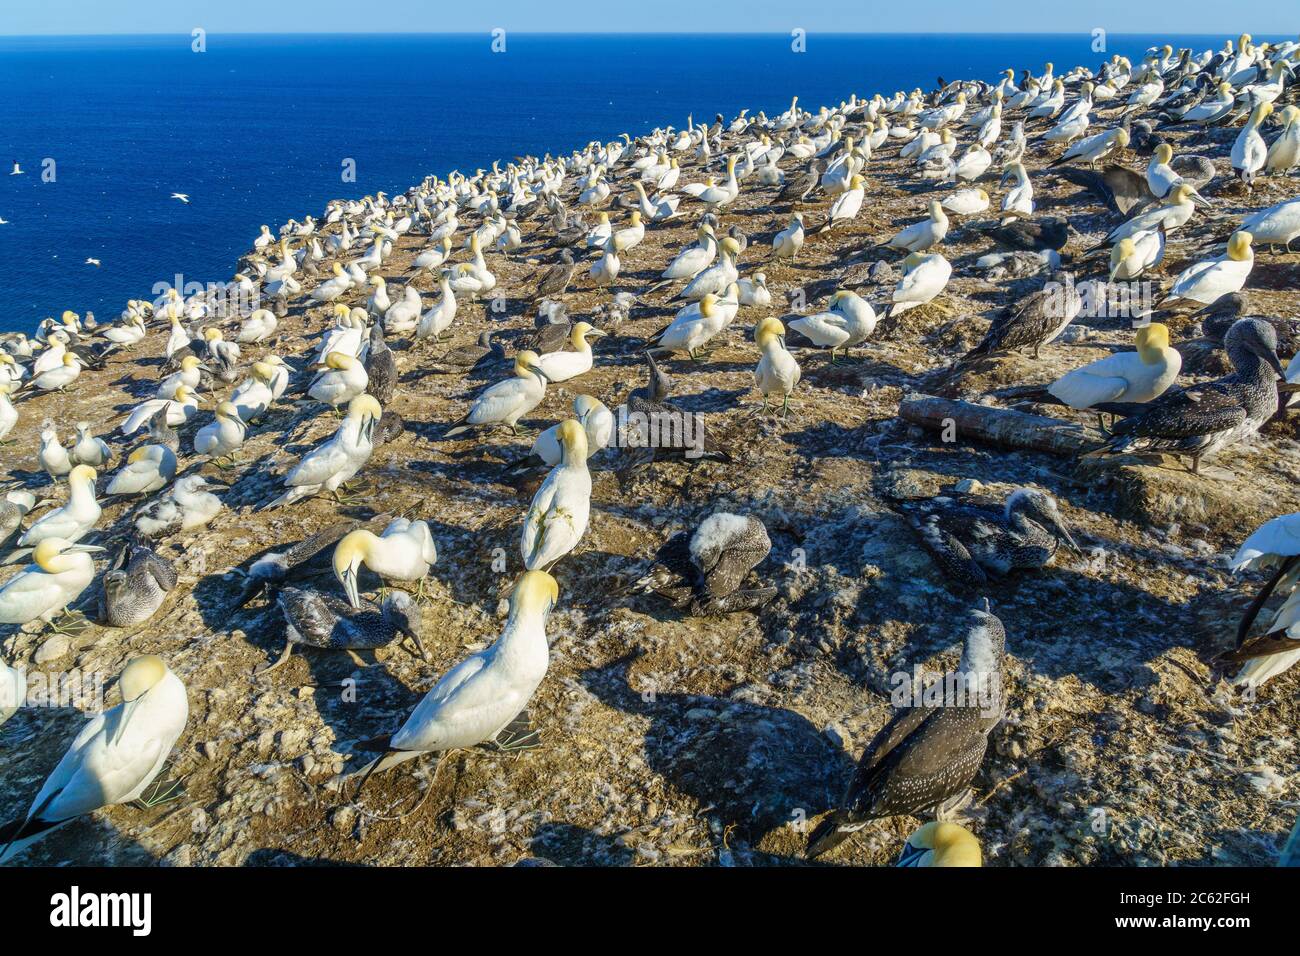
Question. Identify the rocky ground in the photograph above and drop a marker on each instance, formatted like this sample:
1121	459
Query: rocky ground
672	740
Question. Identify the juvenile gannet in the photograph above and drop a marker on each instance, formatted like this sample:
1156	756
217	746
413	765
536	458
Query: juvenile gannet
60	571
557	517
113	760
312	619
1203	419
705	570
337	460
1037	320
183	507
404	552
929	751
1274	547
777	372
506	402
941	843
486	693
147	469
135	586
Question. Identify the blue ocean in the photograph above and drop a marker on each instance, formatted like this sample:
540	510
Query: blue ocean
258	129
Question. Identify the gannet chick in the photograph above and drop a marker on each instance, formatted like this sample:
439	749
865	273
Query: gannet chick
557	517
89	450
70	522
312	619
14	506
60	572
342	379
562	366
941	844
54	458
185	506
13	690
223	436
848	320
1126	376
972	543
1203	419
180	408
147	469
335	461
597	422
485	694
506	402
1276	544
404	552
777	372
135	586
705	570
113	760
929	753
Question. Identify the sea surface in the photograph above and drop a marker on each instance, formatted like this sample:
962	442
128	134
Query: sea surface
256	129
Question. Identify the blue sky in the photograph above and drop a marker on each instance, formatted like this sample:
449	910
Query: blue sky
678	16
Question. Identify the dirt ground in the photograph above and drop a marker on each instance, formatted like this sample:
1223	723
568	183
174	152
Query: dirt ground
672	740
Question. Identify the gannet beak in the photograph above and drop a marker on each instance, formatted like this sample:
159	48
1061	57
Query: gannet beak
537	370
128	708
1201	200
203	368
1064	533
84	548
350	587
1271	358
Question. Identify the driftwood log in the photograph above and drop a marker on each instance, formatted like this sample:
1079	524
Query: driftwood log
968	422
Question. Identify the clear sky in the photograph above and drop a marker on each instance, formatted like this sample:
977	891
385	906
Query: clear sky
19	17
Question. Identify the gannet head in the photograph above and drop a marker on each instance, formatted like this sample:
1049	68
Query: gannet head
1041	508
936	211
940	843
578	337
341	311
70	358
1151	341
535	593
227	410
212	334
730	246
708	304
349	554
182	394
526	364
1164	153
770	328
339	360
139	677
1239	246
365	406
573	441
584	405
190	362
855	181
1121	138
377	280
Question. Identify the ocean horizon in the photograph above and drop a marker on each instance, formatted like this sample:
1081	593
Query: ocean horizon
259	128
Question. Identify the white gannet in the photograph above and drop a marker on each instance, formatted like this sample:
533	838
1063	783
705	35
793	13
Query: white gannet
404	552
186	505
1136	377
941	843
441	314
485	693
222	436
967	202
54	458
404	314
1208	281
1275	226
777	372
1134	255
506	402
716	277
1106	145
564	365
924	277
190	375
342	379
261	324
847	204
754	292
597	422
8	414
89	450
147	469
1284	153
1275	545
254	395
59	377
113	759
691	328
180	408
73	520
336	460
13	690
1249	151
60	572
920	236
787	243
848	320
1019	200
557	517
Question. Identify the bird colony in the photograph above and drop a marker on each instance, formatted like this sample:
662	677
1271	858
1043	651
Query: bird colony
912	480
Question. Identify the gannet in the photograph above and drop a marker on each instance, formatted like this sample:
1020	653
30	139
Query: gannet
135	585
89	450
1250	152
1173	213
341	379
1134	255
59	377
223	436
1203	419
488	692
557	517
920	236
716	277
506	402
967	202
113	759
1132	377
847	204
54	458
1275	226
597	421
337	460
562	366
1284	153
924	277
440	315
1206	282
848	320
71	521
1275	545
13	690
312	619
691	328
180	408
604	271
8	414
404	314
254	395
147	469
705	570
1106	145
1019	200
60	571
930	751
404	552
261	324
183	507
787	243
754	292
1037	320
941	843
190	375
777	372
